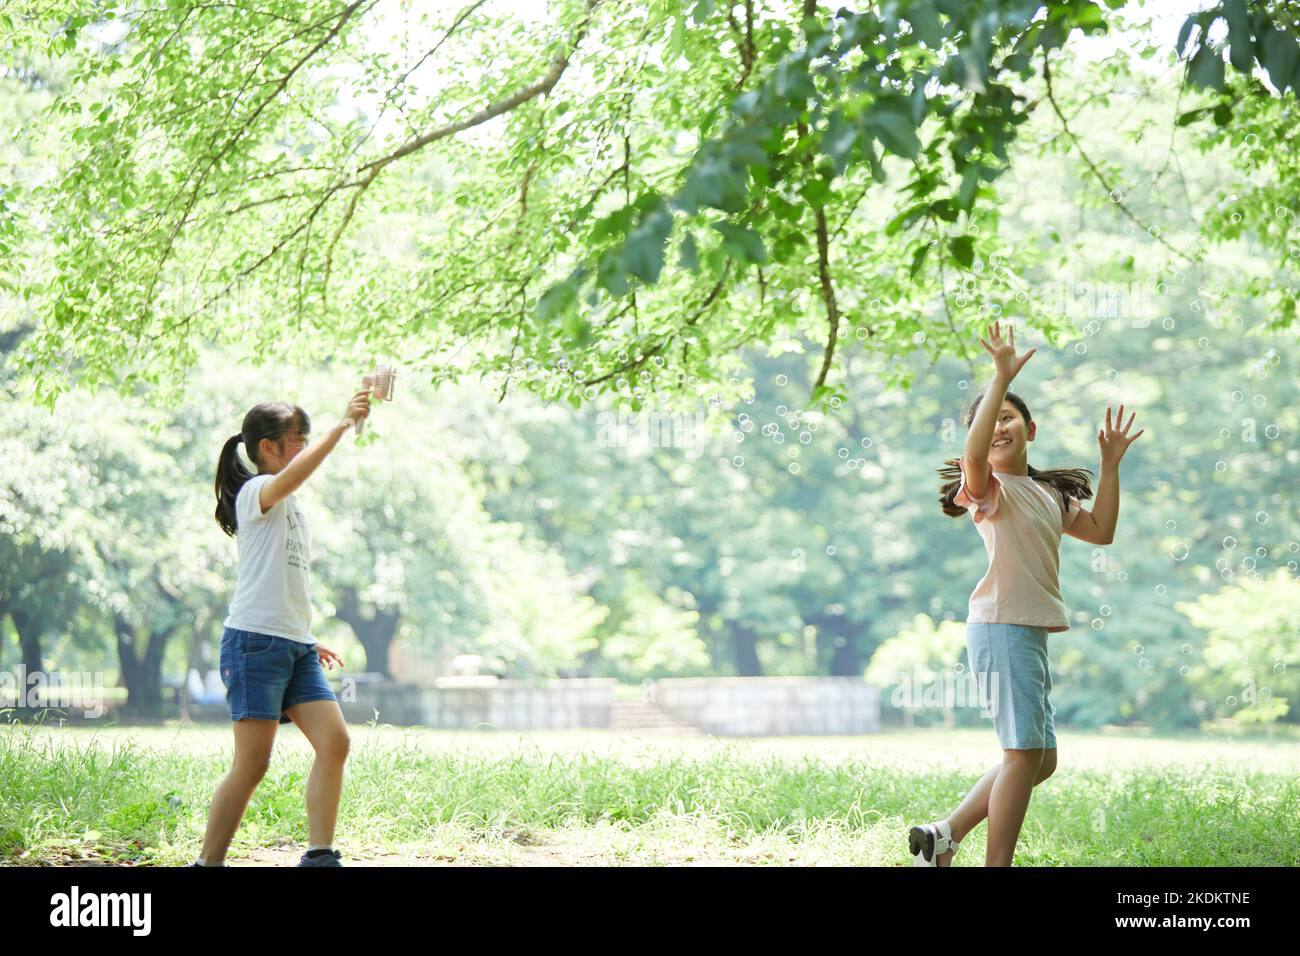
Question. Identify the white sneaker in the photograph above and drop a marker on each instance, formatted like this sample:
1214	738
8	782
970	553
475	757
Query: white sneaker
927	841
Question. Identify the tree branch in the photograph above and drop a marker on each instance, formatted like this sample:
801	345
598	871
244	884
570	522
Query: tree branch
1047	76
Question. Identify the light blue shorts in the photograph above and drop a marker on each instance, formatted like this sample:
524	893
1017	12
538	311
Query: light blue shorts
1009	663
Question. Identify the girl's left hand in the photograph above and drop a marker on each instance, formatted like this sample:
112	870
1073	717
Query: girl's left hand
1114	441
326	654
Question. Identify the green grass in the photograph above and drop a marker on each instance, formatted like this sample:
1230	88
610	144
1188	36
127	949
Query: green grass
140	796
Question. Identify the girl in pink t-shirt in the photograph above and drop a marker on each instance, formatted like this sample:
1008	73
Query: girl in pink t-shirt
1020	514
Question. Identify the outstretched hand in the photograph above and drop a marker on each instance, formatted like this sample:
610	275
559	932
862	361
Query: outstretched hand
1007	363
326	655
1113	440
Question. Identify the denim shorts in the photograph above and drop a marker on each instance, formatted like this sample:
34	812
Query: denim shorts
1009	663
265	675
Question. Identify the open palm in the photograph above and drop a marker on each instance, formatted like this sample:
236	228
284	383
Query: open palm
1005	360
1114	441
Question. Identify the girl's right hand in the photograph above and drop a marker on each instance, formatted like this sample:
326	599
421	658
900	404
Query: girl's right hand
1006	362
359	407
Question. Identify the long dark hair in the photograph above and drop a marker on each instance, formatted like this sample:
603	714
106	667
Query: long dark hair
1066	481
271	420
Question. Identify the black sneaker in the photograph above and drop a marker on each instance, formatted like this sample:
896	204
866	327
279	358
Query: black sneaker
328	858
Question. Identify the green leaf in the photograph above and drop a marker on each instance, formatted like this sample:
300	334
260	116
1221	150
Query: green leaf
905	218
1241	51
925	23
970	180
643	255
741	241
615	224
1206	69
1279	57
689	255
677	40
558	300
577	329
838	140
713	183
877	170
815	191
890	123
963	250
1088	15
1184	34
918	259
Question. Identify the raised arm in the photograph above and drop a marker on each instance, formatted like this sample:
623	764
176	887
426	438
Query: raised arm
290	478
1114	442
979	439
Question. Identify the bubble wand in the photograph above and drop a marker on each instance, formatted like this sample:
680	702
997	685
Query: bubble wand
382	385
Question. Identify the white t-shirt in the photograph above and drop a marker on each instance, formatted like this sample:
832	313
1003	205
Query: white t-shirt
273	595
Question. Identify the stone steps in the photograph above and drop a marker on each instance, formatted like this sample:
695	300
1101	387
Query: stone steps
642	716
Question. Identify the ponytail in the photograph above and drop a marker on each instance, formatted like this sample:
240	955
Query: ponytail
231	476
270	420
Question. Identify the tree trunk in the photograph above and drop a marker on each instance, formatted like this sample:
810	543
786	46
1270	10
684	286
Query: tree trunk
375	634
706	609
193	660
845	661
29	639
744	643
142	676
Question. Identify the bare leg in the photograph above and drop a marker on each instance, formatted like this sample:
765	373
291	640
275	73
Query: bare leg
1008	801
322	723
253	742
975	806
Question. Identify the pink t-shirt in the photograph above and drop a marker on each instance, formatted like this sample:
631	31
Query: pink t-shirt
1021	522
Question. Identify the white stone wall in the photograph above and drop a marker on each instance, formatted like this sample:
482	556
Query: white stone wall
727	706
500	704
772	706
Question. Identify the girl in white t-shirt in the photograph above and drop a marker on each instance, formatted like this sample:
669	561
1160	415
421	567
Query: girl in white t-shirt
1020	513
270	664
